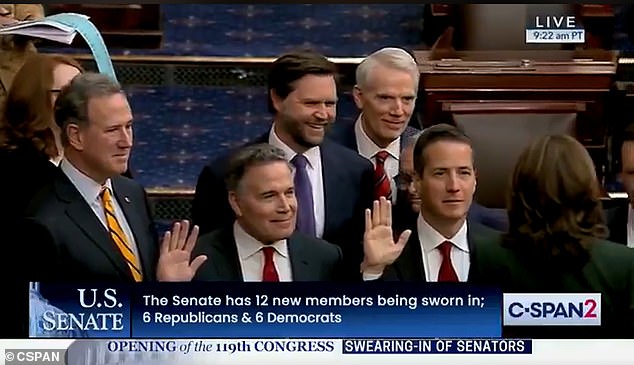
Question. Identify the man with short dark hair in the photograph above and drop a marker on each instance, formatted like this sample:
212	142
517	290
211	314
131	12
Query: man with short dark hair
443	240
406	212
90	223
263	244
333	185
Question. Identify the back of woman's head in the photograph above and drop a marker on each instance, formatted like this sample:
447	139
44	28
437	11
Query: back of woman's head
555	210
28	111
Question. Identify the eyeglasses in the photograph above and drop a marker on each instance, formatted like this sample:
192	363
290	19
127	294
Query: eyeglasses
55	91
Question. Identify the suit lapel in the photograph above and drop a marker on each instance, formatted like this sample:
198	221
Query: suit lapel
617	222
333	182
143	242
410	263
299	259
227	262
84	217
472	237
350	137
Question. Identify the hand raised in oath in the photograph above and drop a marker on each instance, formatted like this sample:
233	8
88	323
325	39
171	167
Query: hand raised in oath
175	262
379	247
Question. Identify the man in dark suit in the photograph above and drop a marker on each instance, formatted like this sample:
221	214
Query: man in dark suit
90	223
443	243
333	184
620	217
263	244
385	93
407	213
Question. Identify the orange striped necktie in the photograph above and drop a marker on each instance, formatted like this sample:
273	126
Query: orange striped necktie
118	236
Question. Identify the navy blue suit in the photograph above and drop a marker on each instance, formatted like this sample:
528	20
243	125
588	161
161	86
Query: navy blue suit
344	134
348	191
616	220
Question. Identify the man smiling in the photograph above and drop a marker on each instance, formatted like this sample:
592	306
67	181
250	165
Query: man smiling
333	184
385	93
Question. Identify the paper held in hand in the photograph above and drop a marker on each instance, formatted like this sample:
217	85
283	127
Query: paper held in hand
47	28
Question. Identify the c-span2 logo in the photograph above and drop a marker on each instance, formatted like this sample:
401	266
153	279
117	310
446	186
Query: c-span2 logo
552	309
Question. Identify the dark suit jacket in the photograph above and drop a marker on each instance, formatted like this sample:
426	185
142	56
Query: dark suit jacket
409	265
312	259
616	219
25	171
64	240
610	271
496	218
405	218
348	191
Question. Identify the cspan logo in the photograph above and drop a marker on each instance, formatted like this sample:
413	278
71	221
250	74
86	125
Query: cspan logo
531	309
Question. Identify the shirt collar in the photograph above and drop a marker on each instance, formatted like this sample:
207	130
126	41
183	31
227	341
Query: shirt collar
249	246
313	154
430	238
368	148
87	187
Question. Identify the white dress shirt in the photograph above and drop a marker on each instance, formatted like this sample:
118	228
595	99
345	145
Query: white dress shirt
630	227
368	149
252	257
315	175
55	160
430	240
90	190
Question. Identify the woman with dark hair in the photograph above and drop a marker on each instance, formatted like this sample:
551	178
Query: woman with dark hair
29	138
556	240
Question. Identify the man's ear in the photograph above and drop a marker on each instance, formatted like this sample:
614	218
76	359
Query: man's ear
74	136
235	206
276	100
356	95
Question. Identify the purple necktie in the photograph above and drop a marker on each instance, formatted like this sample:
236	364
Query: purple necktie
304	194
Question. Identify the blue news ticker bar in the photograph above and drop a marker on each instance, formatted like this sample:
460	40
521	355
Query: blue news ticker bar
273	310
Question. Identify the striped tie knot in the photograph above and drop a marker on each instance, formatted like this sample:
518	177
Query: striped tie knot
381	156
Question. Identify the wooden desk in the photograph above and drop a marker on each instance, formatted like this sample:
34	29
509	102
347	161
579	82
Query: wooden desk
521	86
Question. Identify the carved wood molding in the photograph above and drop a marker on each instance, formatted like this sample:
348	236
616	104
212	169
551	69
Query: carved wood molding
121	25
441	9
595	10
519	106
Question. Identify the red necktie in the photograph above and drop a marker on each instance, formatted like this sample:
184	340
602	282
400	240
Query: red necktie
381	181
269	272
446	272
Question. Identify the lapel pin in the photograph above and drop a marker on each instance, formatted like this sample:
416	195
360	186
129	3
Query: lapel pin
127	200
